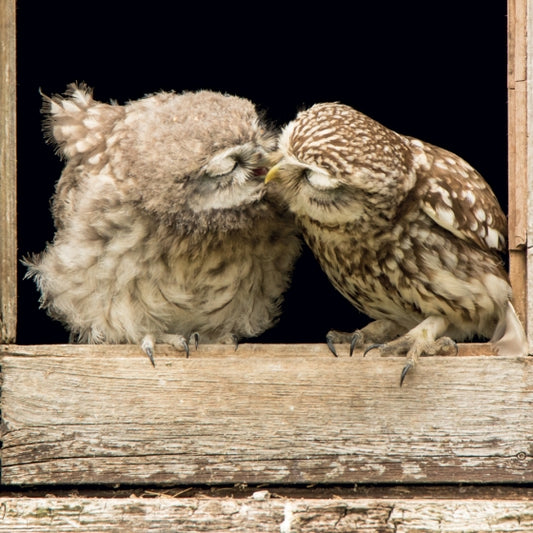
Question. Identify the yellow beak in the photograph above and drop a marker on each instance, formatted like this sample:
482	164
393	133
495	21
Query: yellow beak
272	174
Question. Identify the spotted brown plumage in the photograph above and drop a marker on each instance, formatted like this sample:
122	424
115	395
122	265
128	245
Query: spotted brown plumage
163	228
408	232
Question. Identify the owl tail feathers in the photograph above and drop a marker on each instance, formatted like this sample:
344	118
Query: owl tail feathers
77	123
509	337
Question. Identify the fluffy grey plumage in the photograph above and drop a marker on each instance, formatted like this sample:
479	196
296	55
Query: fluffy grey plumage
408	232
163	226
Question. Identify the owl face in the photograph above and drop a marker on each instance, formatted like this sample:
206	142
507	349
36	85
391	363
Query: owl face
335	161
195	152
231	178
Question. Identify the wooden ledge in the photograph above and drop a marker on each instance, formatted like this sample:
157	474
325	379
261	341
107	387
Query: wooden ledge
264	414
212	350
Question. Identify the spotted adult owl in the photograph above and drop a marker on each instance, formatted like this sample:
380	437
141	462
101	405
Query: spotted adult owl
408	232
164	232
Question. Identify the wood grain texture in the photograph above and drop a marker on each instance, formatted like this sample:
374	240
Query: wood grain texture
529	116
264	414
8	174
263	515
517	77
519	43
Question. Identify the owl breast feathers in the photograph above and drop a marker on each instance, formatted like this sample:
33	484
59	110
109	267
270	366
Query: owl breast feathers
408	232
164	230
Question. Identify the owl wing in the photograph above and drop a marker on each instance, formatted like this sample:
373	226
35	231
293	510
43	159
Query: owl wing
80	128
457	198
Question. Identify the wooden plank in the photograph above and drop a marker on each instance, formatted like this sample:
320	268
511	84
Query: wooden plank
518	119
529	162
518	154
8	174
518	274
263	514
266	414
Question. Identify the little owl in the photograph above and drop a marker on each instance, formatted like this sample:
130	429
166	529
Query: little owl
408	232
164	232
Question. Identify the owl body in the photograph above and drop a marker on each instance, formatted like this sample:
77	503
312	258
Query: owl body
408	232
163	225
408	283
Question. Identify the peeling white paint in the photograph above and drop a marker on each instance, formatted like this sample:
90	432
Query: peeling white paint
286	525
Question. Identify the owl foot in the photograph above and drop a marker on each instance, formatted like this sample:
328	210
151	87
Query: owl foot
178	341
442	346
421	340
378	331
231	339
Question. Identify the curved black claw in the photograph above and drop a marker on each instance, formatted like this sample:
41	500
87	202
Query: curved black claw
235	341
355	339
331	346
196	338
150	353
186	346
406	369
372	347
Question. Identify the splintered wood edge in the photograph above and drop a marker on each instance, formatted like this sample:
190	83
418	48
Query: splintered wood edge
212	350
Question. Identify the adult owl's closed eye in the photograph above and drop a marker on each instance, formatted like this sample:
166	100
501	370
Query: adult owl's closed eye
408	232
164	230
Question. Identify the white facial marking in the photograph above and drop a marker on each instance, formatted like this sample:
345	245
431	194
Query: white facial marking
321	181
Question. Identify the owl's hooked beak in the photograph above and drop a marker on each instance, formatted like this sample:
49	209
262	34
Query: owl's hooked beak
272	174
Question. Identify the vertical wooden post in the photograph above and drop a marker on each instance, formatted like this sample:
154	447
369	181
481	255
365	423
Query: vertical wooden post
8	174
518	153
528	112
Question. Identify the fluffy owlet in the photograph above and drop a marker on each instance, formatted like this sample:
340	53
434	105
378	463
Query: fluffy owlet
163	228
408	232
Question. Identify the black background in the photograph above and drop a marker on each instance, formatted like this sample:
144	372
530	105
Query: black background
433	70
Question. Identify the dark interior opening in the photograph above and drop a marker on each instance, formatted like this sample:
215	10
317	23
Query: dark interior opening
436	71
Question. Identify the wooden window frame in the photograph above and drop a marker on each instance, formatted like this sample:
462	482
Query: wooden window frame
286	414
8	174
520	157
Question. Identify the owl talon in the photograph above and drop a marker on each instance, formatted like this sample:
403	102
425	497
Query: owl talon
355	340
147	346
235	341
372	347
196	339
150	353
331	346
406	369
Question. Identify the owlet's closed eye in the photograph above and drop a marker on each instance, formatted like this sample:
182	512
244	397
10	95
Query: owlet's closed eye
221	166
320	180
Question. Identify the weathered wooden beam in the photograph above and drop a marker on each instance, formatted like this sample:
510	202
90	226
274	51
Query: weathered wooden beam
266	414
8	174
517	116
520	127
266	515
528	29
